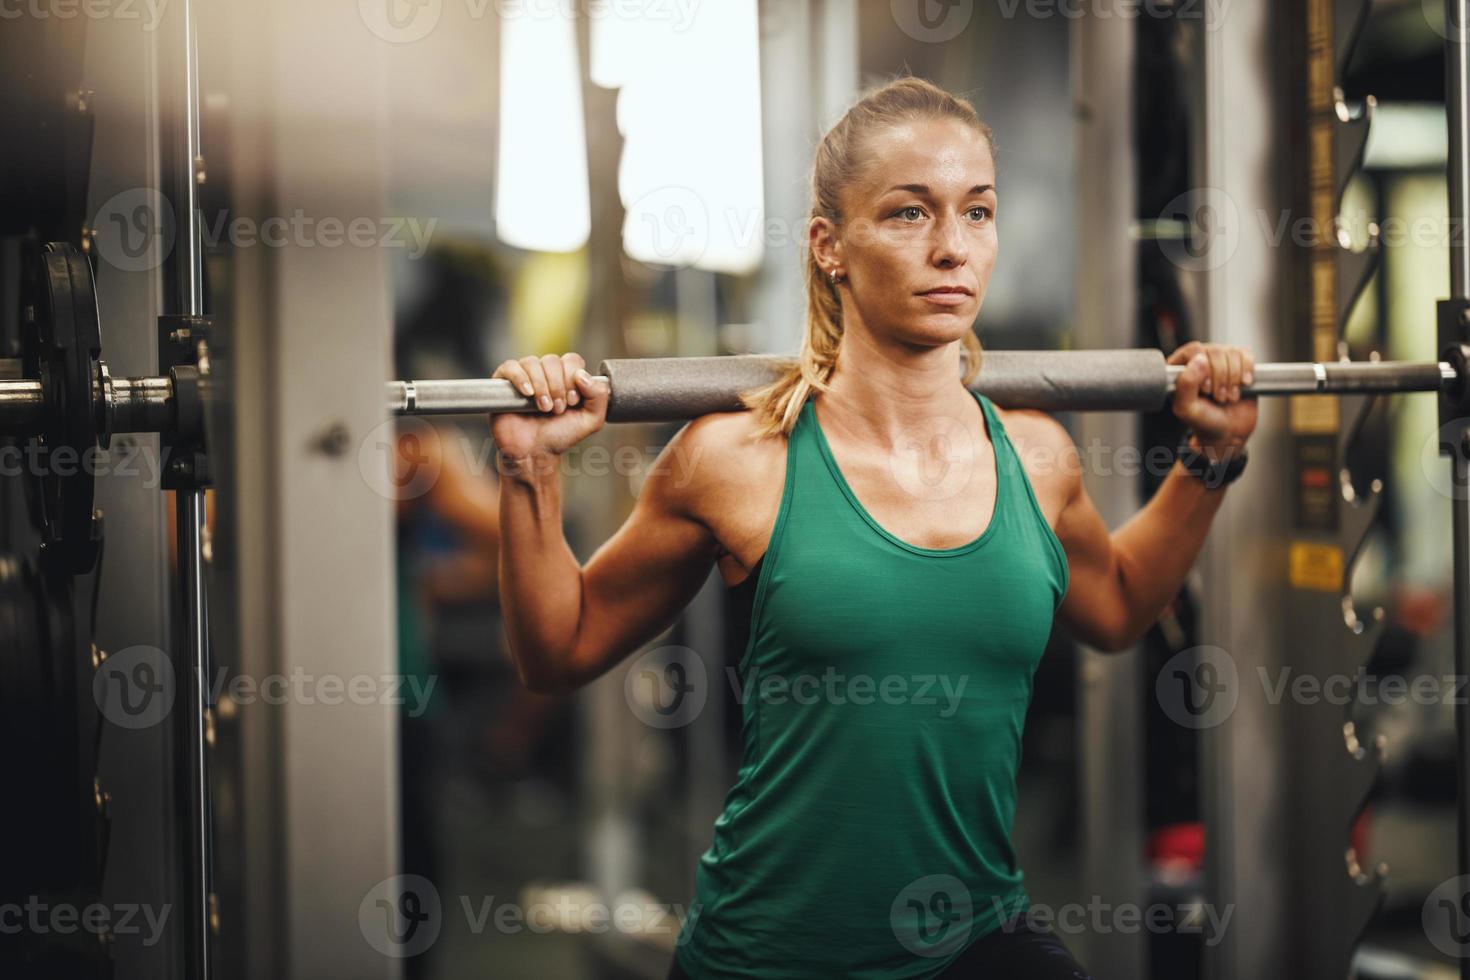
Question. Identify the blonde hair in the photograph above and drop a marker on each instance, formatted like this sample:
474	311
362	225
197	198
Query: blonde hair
839	162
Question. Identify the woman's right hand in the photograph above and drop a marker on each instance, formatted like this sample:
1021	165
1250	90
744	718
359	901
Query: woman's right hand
571	406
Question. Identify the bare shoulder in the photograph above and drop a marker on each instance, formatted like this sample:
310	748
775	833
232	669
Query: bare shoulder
1035	427
722	455
1048	454
723	474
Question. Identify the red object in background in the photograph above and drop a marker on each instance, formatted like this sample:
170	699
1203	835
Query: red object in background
1182	845
1359	836
1419	609
1179	845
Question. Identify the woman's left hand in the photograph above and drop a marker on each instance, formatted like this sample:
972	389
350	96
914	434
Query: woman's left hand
1207	395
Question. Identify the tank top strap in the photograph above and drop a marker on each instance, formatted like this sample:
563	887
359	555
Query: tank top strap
1007	460
804	463
1015	484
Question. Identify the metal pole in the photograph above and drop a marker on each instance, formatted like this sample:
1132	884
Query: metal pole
190	516
194	772
1457	70
1452	328
1460	505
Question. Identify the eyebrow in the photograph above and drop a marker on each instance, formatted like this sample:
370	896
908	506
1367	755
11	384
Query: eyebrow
924	188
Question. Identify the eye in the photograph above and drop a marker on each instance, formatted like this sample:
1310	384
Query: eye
911	213
985	213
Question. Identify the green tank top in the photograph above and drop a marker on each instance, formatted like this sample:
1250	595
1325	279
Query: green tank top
884	689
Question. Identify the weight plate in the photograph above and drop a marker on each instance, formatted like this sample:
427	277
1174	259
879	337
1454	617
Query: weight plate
50	827
62	347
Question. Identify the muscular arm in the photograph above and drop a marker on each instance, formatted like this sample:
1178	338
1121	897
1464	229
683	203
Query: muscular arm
567	623
1120	582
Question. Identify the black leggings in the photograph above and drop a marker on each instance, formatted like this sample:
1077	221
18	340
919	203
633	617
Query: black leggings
1015	950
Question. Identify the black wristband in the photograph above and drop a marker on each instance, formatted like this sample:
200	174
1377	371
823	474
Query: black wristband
1213	474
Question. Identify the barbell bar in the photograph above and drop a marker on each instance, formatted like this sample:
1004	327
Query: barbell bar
1136	380
678	388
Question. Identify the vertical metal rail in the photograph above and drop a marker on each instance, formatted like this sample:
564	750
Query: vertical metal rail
1457	169
1457	71
190	515
1460	502
194	775
1109	737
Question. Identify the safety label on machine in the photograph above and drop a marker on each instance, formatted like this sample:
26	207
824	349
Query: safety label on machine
1317	493
1316	566
1313	414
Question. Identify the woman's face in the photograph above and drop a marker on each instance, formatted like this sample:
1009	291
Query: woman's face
918	239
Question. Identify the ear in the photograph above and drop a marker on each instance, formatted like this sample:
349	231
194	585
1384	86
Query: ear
821	237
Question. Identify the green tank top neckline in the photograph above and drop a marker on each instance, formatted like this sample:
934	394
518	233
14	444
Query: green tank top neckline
979	541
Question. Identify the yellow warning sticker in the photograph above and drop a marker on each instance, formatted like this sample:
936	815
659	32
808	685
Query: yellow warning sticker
1316	566
1313	414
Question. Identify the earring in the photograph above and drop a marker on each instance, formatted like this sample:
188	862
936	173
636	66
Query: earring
834	276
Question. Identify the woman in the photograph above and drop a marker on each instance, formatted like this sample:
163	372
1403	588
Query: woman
889	524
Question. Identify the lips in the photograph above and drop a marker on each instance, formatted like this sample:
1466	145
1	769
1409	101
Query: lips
947	295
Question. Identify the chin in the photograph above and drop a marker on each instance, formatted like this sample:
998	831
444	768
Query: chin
945	325
936	330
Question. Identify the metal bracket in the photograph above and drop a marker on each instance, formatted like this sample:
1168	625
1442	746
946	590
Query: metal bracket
183	355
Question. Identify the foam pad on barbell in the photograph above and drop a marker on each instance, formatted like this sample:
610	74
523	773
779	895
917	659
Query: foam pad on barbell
668	389
671	389
1133	380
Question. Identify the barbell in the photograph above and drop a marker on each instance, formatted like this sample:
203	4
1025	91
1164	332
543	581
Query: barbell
67	398
669	389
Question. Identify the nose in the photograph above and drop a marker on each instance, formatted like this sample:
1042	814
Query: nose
950	247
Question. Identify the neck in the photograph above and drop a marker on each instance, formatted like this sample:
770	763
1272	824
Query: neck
881	388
